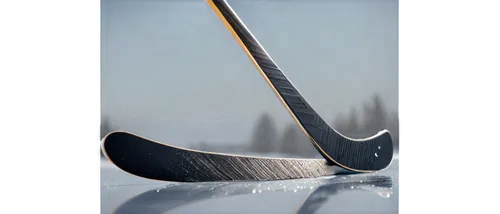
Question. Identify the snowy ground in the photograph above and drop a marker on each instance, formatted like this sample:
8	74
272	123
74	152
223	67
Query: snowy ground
366	193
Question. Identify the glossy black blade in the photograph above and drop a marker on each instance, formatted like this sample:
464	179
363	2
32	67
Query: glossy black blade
363	155
149	159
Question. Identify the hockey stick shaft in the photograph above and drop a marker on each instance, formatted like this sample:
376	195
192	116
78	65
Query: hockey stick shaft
361	155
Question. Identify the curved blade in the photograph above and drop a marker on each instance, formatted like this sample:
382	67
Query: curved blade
158	161
361	155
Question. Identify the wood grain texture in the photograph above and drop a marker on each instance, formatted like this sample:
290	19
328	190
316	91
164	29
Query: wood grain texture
362	155
153	160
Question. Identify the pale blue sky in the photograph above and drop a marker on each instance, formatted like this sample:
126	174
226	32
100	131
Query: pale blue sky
172	72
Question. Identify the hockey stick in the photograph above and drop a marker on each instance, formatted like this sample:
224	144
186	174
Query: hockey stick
157	161
361	155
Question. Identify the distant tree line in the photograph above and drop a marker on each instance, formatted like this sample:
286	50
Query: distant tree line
374	118
293	141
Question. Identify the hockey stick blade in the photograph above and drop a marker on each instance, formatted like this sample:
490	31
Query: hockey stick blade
157	161
361	155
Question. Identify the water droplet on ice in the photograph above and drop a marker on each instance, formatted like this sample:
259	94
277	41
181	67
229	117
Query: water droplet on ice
376	155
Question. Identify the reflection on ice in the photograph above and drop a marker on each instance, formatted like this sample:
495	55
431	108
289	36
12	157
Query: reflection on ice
170	197
377	184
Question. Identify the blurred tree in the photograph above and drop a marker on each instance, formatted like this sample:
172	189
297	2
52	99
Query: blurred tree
305	147
349	126
379	112
264	137
375	116
366	127
340	124
288	143
353	126
393	127
295	142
